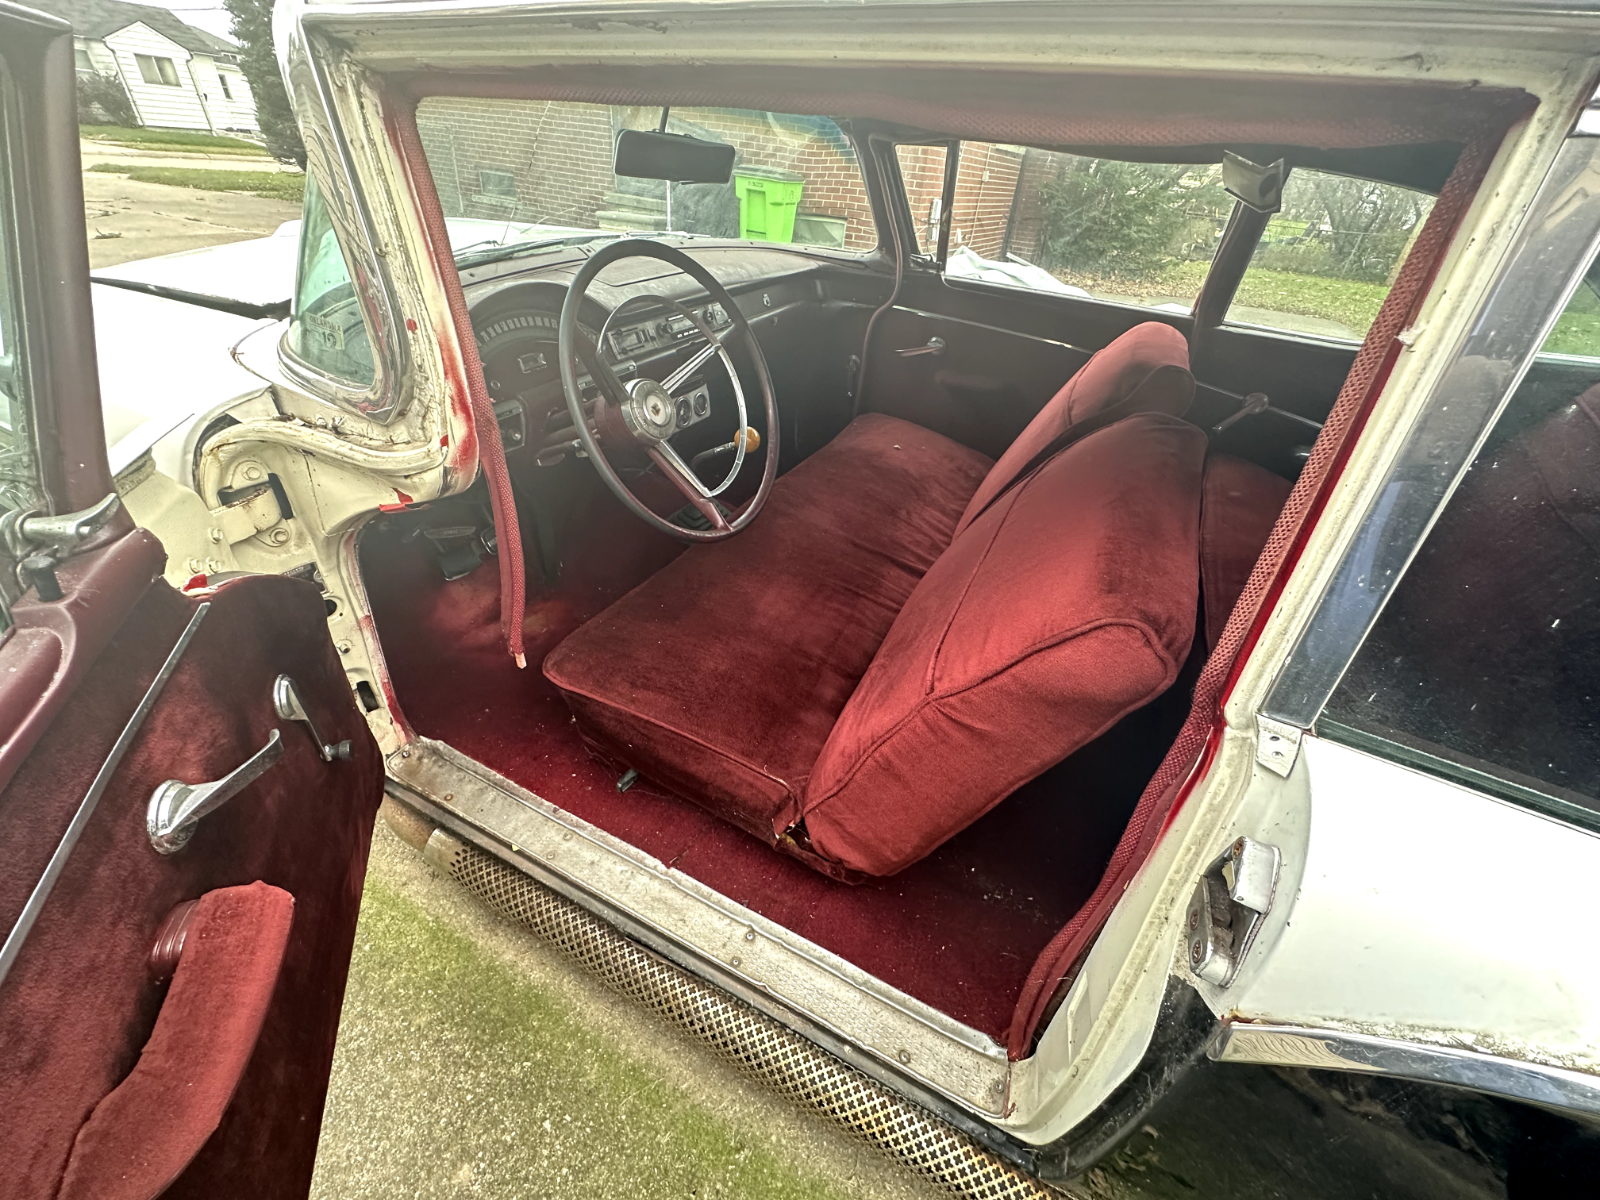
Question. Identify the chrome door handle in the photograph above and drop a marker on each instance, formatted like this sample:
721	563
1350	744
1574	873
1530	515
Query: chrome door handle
288	705
176	807
935	346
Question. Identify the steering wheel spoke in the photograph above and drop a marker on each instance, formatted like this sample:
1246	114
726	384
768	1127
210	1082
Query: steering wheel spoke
600	371
685	480
698	359
640	415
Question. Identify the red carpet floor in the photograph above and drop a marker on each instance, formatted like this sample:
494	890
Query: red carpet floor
958	930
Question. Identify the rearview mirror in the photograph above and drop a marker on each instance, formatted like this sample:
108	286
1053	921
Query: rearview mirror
648	154
1252	185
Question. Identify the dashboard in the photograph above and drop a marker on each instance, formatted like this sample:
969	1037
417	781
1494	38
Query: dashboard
517	343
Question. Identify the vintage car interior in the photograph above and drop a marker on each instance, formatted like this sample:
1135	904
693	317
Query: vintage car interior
869	594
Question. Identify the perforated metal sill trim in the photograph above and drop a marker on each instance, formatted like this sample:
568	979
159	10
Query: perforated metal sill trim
750	1040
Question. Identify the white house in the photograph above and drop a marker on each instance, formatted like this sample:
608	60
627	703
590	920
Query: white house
177	76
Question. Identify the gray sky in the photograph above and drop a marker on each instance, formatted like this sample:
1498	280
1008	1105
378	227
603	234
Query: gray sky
202	14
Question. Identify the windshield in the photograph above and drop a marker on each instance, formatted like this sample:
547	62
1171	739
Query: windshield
518	173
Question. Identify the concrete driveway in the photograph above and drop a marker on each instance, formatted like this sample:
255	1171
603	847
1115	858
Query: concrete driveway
474	1060
128	220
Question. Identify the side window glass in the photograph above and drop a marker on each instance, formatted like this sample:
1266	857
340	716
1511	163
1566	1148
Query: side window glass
1327	258
1485	664
1130	233
1577	329
18	470
327	329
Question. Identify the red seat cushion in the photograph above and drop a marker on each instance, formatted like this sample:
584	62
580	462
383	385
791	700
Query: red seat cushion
721	676
1144	370
1066	604
1241	504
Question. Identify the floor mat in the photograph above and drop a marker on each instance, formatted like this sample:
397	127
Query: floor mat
958	930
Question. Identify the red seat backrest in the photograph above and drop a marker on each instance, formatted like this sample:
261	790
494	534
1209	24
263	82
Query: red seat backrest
1068	603
1144	370
1240	506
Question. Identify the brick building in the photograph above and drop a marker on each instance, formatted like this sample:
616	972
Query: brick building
549	163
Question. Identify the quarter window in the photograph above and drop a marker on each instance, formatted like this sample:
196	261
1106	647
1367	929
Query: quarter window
1485	664
1326	260
160	71
922	176
18	468
327	329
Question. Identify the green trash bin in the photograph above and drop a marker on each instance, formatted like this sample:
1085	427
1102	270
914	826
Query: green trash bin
767	202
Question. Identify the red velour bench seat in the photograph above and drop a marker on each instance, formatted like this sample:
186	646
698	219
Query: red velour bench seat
720	677
1060	593
1241	505
1144	370
1066	605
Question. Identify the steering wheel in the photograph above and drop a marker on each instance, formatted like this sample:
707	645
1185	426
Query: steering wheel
642	415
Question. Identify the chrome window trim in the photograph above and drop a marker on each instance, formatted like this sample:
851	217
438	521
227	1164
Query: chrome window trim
923	313
328	158
1293	335
1559	237
1337	1050
1560	358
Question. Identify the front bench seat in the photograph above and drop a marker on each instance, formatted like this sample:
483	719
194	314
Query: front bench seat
722	677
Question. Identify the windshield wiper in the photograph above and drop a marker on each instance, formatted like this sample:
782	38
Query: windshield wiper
518	249
275	309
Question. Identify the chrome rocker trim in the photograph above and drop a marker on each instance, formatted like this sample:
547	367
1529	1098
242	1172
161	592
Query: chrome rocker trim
1331	1049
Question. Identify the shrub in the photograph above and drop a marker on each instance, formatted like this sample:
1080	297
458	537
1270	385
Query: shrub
1128	220
252	27
103	99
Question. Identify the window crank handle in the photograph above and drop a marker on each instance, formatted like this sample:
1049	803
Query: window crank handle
287	704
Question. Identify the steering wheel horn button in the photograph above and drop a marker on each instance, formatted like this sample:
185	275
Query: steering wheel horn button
651	414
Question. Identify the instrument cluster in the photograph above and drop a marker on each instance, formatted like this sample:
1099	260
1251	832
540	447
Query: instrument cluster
518	349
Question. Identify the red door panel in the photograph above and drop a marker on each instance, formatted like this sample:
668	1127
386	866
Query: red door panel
80	1003
206	1077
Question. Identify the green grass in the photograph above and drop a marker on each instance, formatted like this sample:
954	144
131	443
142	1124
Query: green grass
1577	330
273	185
518	1096
1350	302
186	138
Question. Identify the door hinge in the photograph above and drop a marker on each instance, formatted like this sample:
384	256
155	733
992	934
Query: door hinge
1230	901
1277	745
